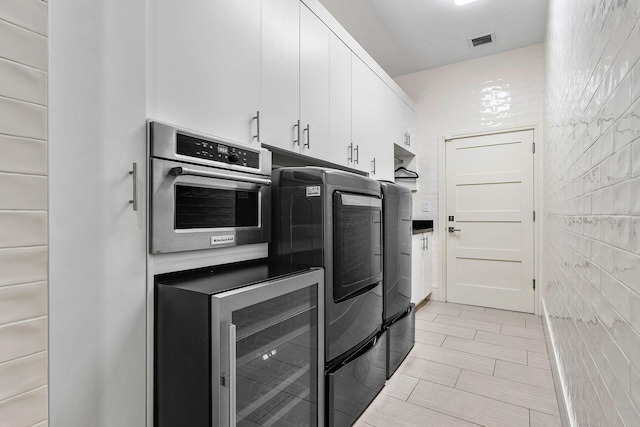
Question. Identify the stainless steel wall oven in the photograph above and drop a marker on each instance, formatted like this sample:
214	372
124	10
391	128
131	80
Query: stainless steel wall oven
206	192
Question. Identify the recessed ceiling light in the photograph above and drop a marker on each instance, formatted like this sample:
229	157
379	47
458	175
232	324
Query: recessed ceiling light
463	2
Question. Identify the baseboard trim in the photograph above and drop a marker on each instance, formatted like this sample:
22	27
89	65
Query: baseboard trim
560	392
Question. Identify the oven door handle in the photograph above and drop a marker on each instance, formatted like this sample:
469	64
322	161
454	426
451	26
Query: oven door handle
179	170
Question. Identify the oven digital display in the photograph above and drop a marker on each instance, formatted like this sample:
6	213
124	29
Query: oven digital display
216	151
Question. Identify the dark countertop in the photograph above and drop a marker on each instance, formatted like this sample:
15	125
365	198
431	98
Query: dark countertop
422	226
219	278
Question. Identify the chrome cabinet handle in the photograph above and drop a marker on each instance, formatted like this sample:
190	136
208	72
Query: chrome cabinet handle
451	229
357	150
232	375
297	127
350	156
373	166
308	132
179	170
134	177
257	119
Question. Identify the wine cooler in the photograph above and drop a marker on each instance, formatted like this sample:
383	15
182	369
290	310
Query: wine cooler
241	347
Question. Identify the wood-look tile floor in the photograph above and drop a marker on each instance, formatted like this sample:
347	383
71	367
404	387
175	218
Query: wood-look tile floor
470	366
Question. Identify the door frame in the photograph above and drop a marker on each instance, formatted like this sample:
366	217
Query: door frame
537	204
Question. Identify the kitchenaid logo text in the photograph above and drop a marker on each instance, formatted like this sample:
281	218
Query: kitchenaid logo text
218	240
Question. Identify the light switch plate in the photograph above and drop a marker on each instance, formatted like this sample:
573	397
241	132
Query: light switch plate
425	206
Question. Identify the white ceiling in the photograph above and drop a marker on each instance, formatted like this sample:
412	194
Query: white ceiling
406	36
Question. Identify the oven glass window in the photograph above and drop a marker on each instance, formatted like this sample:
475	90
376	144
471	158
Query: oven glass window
277	360
202	207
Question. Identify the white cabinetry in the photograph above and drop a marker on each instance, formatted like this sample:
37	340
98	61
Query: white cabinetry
97	242
340	103
204	68
314	85
280	87
368	121
294	111
421	266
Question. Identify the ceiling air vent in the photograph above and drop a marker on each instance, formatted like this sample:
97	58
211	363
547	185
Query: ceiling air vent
480	40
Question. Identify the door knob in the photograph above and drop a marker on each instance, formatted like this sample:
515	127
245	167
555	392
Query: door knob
451	229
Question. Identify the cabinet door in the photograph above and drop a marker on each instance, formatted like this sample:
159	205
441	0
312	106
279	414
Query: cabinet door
205	66
427	264
417	268
280	87
385	129
408	121
314	85
340	102
364	113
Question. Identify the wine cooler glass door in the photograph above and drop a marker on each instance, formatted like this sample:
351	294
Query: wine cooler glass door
270	353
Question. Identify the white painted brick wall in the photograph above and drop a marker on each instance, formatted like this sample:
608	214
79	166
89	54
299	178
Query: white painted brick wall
592	206
495	92
23	213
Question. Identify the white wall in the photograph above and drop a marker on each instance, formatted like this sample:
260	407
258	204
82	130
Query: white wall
23	213
494	92
592	206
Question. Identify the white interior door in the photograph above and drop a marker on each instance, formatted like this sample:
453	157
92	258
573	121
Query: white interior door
491	235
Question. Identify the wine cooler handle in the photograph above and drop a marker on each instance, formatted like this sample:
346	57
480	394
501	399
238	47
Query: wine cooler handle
232	375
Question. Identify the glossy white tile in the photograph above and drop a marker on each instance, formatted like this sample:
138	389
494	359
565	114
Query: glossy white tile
23	338
22	82
23	192
23	265
23	216
27	409
29	14
23	155
24	119
23	46
21	302
23	228
21	375
592	119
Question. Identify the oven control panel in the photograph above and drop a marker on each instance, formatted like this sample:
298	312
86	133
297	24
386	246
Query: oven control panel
216	151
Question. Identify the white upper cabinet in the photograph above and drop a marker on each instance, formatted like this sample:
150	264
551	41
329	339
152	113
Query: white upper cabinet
280	88
340	103
364	113
371	122
314	85
407	120
204	69
294	112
